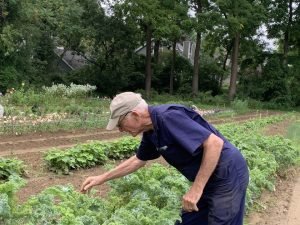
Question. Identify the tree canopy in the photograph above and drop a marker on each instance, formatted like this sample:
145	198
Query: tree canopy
141	44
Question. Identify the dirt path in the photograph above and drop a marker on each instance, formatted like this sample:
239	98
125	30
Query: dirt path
281	207
44	141
38	142
293	217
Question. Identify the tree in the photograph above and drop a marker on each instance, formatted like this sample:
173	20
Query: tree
241	18
178	25
151	17
205	20
28	34
197	6
283	18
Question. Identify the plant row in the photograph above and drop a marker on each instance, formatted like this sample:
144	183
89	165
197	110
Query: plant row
265	155
88	121
96	153
151	196
89	154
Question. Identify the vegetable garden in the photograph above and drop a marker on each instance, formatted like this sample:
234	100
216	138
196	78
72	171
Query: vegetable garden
40	185
134	199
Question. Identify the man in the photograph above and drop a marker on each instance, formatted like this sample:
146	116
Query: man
195	148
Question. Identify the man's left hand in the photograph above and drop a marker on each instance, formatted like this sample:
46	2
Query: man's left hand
190	200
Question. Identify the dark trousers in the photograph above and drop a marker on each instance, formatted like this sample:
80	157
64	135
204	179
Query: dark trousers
223	199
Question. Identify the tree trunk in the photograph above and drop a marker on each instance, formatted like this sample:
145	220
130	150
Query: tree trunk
2	12
195	85
234	66
285	46
148	61
287	33
228	50
156	51
173	67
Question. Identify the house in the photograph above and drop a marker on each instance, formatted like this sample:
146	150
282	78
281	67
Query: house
70	60
185	49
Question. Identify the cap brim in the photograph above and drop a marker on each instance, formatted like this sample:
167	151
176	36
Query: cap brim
112	123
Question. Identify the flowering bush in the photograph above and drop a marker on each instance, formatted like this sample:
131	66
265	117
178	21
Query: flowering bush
73	90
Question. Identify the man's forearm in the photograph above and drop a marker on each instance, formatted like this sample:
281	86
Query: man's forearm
212	148
130	165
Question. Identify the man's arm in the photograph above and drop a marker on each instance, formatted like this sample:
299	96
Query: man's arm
212	148
130	165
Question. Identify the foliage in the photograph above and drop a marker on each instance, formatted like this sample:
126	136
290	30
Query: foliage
9	167
283	24
161	76
149	181
294	131
82	156
8	209
210	74
72	91
134	199
277	84
122	148
26	39
63	205
30	31
53	99
239	105
9	77
265	155
89	154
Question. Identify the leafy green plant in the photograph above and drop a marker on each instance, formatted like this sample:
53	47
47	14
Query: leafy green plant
8	205
123	148
80	156
240	105
73	90
140	205
10	167
265	155
89	154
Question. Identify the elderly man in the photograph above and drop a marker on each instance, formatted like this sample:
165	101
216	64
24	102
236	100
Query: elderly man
194	147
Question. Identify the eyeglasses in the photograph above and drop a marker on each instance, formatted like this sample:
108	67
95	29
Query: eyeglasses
122	118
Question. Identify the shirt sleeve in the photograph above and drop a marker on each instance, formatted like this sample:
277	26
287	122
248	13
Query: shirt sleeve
184	131
147	150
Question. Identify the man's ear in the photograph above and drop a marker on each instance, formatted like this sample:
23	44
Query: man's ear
135	113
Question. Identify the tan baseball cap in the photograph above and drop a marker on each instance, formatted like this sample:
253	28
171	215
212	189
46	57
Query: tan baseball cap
120	105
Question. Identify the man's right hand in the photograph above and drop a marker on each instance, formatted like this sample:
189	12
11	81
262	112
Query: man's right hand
128	166
91	182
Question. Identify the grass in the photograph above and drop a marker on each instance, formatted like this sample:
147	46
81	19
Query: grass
293	133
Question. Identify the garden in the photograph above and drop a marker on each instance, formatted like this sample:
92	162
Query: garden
61	63
41	172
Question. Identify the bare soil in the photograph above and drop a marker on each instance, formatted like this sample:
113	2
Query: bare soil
281	207
276	208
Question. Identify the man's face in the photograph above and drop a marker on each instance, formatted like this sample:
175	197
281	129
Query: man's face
131	123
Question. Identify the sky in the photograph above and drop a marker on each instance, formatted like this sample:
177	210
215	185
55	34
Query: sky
270	43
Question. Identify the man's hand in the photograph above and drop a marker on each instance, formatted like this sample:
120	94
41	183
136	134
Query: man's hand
212	148
128	166
190	200
91	182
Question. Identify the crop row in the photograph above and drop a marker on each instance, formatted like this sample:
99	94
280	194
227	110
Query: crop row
89	154
134	200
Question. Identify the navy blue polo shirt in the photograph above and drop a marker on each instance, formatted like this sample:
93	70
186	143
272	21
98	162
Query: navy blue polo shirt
178	136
